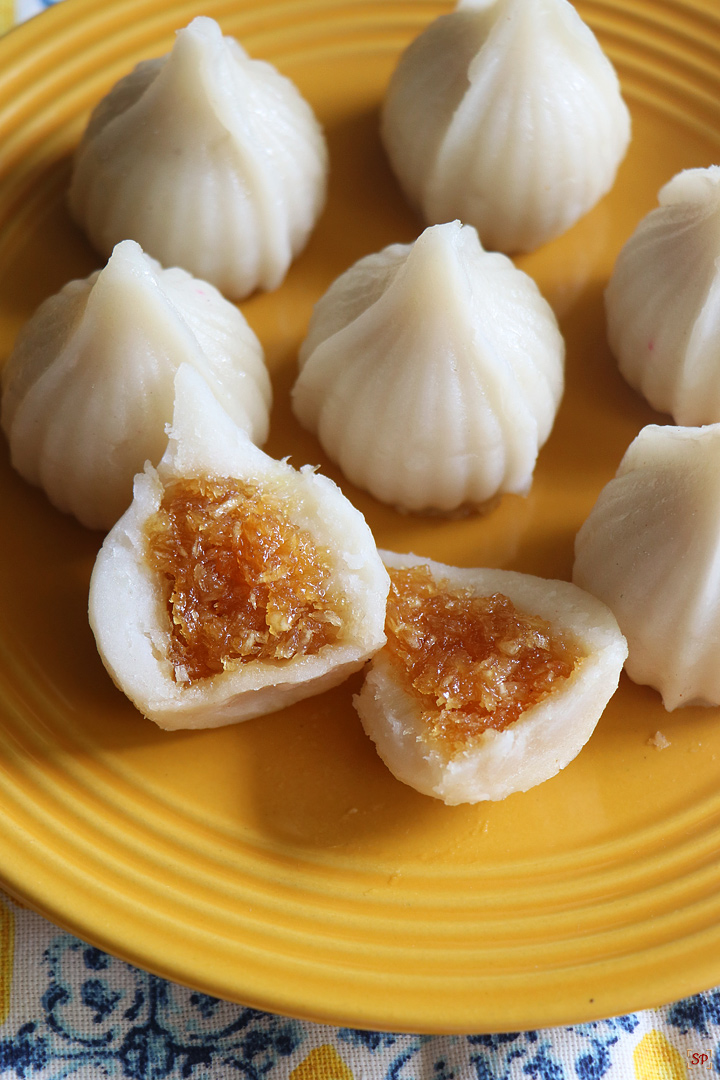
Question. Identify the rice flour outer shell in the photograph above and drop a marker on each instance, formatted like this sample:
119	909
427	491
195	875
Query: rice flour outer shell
663	300
650	549
127	609
509	116
432	373
88	389
210	159
543	740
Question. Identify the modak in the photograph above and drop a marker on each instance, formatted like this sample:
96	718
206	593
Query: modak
234	585
89	386
432	373
210	159
509	116
491	681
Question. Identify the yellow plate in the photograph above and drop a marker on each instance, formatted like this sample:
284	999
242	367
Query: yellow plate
277	863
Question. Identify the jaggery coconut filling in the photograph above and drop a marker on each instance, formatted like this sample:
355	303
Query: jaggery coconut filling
243	582
472	662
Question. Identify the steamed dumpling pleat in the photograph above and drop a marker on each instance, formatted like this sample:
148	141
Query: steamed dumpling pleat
663	300
650	550
88	388
211	160
507	115
432	373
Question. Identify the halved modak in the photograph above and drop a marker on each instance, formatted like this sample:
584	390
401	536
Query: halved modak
89	386
491	681
234	585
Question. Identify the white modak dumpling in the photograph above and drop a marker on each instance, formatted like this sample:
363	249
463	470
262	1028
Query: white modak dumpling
650	549
490	682
432	373
234	585
88	389
209	159
507	115
663	301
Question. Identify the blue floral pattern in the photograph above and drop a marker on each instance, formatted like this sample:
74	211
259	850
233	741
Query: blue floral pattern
94	1009
77	1013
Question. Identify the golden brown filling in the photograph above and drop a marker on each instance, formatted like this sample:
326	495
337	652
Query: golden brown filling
474	662
243	581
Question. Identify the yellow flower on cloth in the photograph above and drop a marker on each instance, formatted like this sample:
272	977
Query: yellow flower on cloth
655	1058
322	1063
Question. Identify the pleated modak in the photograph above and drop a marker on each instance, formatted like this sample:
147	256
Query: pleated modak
432	373
508	115
234	585
650	549
663	300
89	386
211	160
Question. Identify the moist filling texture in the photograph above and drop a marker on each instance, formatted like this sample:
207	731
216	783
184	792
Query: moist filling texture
473	662
243	582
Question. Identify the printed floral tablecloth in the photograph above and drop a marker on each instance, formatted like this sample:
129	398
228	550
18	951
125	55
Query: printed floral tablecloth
69	1010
